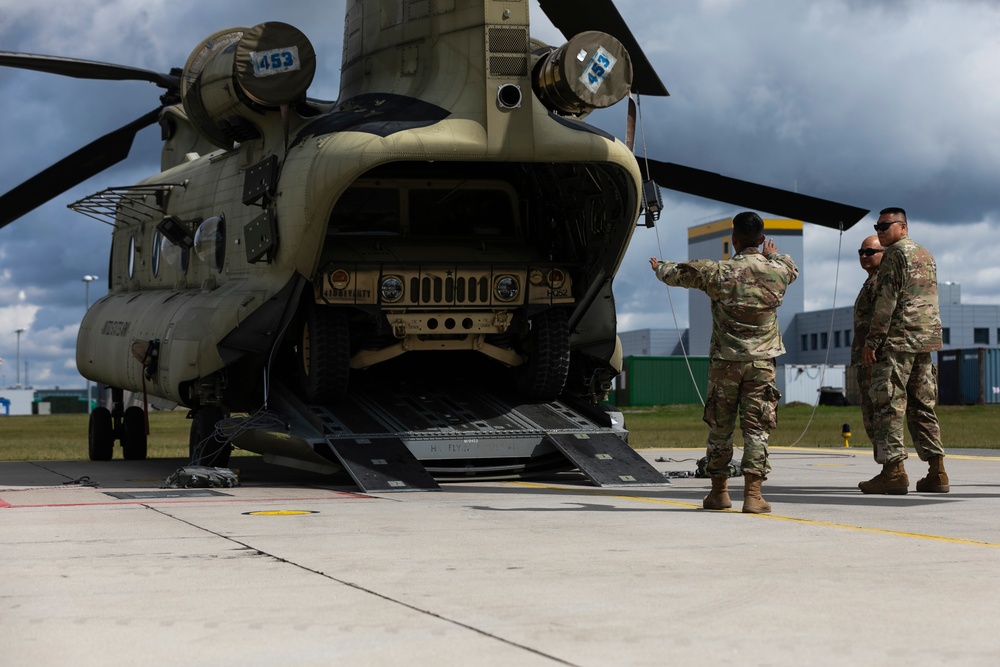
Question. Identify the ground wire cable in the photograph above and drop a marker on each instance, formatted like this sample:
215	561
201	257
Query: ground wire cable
659	248
829	335
673	313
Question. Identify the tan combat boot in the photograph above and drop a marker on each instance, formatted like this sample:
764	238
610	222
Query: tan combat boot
718	499
753	502
937	479
892	480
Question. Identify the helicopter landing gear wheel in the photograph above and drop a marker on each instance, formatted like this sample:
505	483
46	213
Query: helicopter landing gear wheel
101	435
204	445
134	437
543	377
324	355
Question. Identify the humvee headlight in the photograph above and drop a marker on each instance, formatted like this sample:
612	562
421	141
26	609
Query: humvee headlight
391	289
556	278
340	279
506	288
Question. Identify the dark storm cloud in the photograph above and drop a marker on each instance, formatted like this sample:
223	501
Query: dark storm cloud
848	102
871	104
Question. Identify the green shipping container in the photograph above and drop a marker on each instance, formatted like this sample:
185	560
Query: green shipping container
661	381
62	405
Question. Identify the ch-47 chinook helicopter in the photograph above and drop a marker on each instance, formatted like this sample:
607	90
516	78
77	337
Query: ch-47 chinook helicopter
450	206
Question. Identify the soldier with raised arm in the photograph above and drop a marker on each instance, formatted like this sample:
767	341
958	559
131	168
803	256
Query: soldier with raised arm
746	291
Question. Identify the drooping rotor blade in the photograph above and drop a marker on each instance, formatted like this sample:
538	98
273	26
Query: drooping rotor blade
90	160
86	69
572	17
751	195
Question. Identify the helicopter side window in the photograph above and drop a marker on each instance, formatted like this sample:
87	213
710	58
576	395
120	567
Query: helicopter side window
462	212
157	239
131	255
210	242
368	211
174	255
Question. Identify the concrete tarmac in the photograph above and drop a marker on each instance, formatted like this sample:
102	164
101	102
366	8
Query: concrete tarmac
298	569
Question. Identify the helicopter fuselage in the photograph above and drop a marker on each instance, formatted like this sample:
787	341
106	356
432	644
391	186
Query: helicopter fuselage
425	211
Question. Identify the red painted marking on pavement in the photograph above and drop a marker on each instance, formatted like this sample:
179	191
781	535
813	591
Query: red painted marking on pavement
4	503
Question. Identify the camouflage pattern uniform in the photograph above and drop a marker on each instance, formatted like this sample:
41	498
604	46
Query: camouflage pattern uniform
745	292
864	308
905	328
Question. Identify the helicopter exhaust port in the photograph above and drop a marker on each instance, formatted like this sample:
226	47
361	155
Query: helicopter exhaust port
509	96
590	71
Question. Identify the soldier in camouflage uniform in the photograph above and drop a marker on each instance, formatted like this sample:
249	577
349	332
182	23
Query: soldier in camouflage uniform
905	328
870	256
745	292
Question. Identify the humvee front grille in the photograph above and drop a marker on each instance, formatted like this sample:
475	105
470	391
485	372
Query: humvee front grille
434	291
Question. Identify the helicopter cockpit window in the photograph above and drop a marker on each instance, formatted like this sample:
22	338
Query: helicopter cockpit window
210	242
462	212
369	211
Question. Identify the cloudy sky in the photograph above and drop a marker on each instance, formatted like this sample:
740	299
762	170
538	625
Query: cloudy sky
868	103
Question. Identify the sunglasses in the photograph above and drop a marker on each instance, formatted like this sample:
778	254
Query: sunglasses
868	252
882	226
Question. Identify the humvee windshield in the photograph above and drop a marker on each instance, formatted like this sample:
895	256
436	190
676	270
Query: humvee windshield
459	209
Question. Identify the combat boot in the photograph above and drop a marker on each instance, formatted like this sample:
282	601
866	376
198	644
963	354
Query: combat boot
937	479
892	480
718	499
753	502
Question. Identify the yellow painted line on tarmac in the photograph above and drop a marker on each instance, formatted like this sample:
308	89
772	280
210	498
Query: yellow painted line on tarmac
598	492
879	531
838	449
970	457
833	449
775	517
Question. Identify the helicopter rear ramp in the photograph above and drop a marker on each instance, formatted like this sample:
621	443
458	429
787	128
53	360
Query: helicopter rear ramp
408	436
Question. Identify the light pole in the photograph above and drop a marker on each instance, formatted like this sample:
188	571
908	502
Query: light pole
18	383
86	281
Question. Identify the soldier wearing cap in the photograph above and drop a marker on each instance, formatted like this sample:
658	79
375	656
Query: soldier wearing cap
905	328
746	291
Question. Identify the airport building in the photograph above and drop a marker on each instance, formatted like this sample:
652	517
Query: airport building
962	326
42	401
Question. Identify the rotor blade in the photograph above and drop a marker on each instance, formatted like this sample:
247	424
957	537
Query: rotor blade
572	17
751	195
86	69
89	161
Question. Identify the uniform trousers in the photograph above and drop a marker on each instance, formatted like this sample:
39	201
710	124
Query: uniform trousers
904	385
745	389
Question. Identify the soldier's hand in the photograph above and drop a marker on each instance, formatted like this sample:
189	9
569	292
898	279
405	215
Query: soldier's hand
770	247
867	356
653	262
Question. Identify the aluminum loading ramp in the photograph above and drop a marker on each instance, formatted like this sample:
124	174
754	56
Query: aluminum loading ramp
407	436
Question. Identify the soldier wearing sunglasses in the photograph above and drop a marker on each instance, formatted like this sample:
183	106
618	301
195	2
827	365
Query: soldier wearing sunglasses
870	256
905	328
